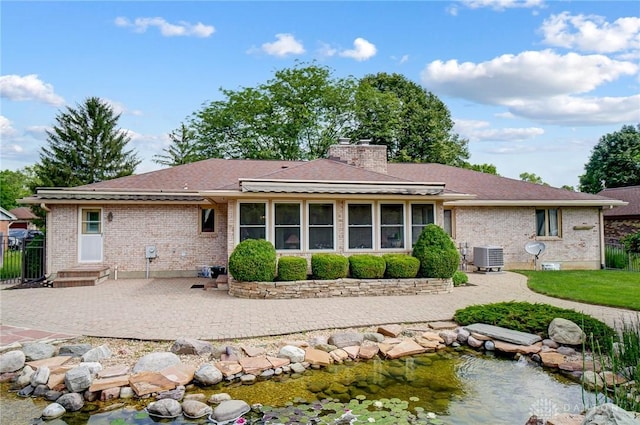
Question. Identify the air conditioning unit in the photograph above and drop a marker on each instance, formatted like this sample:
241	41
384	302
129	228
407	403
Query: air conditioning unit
488	257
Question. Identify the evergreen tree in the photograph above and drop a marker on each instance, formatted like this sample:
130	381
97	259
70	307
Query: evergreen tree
85	146
183	148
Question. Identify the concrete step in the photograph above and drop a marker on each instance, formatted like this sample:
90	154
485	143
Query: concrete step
87	271
70	282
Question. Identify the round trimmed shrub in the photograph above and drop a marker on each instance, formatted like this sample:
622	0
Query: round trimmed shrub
367	266
460	278
253	260
329	266
292	268
437	253
401	266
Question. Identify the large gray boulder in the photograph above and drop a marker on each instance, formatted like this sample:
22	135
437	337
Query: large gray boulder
72	402
155	362
165	408
40	376
191	346
346	339
208	374
78	379
564	331
38	350
97	354
12	361
53	411
609	414
230	409
195	409
74	350
293	353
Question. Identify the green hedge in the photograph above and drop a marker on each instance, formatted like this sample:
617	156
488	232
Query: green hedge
437	253
292	268
460	278
367	266
329	266
253	260
401	266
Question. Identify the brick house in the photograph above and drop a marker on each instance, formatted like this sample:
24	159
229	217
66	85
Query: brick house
352	202
6	218
625	220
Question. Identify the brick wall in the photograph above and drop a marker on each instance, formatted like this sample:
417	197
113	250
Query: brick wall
512	228
369	157
339	288
173	229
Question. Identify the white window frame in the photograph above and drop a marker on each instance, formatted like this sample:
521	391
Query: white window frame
275	225
547	222
307	225
380	226
373	226
412	225
266	218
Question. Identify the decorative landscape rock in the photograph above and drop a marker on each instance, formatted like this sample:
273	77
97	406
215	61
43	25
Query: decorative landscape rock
346	339
53	411
38	350
293	353
191	346
208	374
195	409
230	409
176	393
74	350
40	376
78	379
12	361
97	354
390	330
564	331
609	414
72	402
165	408
155	362
503	334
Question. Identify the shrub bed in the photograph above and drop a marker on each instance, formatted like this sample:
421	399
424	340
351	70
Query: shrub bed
401	266
253	260
329	266
292	268
460	278
437	253
367	266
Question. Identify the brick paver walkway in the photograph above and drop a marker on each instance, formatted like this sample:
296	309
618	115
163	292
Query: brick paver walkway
166	309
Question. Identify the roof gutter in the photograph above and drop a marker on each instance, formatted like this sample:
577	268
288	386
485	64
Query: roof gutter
537	202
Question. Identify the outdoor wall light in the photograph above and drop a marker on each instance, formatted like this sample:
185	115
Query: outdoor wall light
110	217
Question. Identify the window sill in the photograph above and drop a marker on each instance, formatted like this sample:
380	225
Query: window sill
548	238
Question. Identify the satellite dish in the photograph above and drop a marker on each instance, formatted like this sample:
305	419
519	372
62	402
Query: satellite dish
535	248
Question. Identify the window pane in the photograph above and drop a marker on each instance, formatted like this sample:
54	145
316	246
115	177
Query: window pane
321	226
321	214
252	233
391	226
392	237
421	214
287	237
541	223
360	215
391	214
360	238
207	220
287	214
553	222
91	221
448	222
252	214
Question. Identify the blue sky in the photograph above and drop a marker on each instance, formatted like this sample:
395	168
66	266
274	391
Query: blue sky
531	84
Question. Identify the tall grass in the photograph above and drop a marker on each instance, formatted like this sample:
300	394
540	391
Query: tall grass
12	264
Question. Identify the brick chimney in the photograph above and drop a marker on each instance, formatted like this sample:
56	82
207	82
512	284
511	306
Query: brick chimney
363	155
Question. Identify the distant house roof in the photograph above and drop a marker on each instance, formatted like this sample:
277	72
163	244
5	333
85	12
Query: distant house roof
234	177
24	214
6	215
630	194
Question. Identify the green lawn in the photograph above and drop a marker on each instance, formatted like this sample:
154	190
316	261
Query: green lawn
603	287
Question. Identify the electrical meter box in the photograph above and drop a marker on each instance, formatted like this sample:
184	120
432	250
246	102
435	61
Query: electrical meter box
150	251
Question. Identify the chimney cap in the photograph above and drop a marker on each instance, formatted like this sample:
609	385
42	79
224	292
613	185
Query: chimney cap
344	140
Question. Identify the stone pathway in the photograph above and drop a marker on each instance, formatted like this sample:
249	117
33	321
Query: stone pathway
166	309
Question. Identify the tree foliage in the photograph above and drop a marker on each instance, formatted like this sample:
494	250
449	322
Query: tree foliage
532	178
412	122
182	150
614	161
296	115
85	146
483	168
303	110
14	185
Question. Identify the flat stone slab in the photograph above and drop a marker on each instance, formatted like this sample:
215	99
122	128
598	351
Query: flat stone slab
504	334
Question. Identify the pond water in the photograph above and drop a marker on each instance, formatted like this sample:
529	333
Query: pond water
456	388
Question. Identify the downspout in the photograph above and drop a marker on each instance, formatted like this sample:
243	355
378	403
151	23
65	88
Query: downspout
602	254
47	241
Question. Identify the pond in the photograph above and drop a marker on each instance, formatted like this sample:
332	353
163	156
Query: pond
455	388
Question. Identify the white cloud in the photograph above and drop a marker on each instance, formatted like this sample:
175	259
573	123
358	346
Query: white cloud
6	128
476	130
28	87
38	131
582	111
120	108
518	79
404	59
326	50
362	50
182	28
285	45
592	33
501	5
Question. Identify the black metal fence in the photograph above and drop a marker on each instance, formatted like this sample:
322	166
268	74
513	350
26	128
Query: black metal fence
617	257
22	260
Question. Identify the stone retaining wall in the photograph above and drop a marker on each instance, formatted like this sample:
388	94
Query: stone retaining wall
339	288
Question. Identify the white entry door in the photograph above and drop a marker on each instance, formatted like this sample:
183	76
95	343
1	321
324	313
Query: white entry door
90	240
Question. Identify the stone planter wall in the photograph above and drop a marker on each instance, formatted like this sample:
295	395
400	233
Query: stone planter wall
339	288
